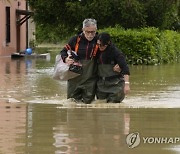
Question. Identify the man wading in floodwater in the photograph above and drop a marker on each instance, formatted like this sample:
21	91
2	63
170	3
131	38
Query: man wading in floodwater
82	88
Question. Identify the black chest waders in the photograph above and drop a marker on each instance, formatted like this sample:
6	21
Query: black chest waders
110	84
82	88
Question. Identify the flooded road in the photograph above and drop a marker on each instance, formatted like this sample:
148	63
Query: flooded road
36	117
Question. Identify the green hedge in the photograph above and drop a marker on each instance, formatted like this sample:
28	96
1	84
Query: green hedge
147	45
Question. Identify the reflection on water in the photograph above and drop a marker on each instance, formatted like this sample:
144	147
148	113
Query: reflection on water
48	128
12	128
36	118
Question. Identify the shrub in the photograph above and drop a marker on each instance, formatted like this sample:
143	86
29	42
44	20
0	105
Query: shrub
146	45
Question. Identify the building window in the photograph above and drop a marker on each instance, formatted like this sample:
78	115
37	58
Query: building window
8	30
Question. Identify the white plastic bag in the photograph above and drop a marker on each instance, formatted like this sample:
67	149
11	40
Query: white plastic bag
61	70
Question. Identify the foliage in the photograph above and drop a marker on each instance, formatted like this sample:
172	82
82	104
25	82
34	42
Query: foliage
169	46
163	13
60	19
50	33
64	17
146	45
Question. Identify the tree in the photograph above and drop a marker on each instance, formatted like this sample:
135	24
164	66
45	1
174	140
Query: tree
162	13
63	17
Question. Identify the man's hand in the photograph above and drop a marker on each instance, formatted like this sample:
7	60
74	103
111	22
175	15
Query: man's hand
69	60
126	89
116	68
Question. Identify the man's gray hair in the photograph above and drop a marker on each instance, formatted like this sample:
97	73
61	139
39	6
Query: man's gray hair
89	22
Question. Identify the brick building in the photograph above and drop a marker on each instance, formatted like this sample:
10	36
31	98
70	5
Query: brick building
15	28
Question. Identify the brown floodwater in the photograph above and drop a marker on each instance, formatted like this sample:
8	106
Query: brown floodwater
36	117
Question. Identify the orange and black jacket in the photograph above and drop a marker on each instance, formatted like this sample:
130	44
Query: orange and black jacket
112	55
86	50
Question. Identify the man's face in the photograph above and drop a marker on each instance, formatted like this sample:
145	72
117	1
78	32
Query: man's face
101	46
89	32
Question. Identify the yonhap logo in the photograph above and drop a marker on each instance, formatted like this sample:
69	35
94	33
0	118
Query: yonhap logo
133	140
